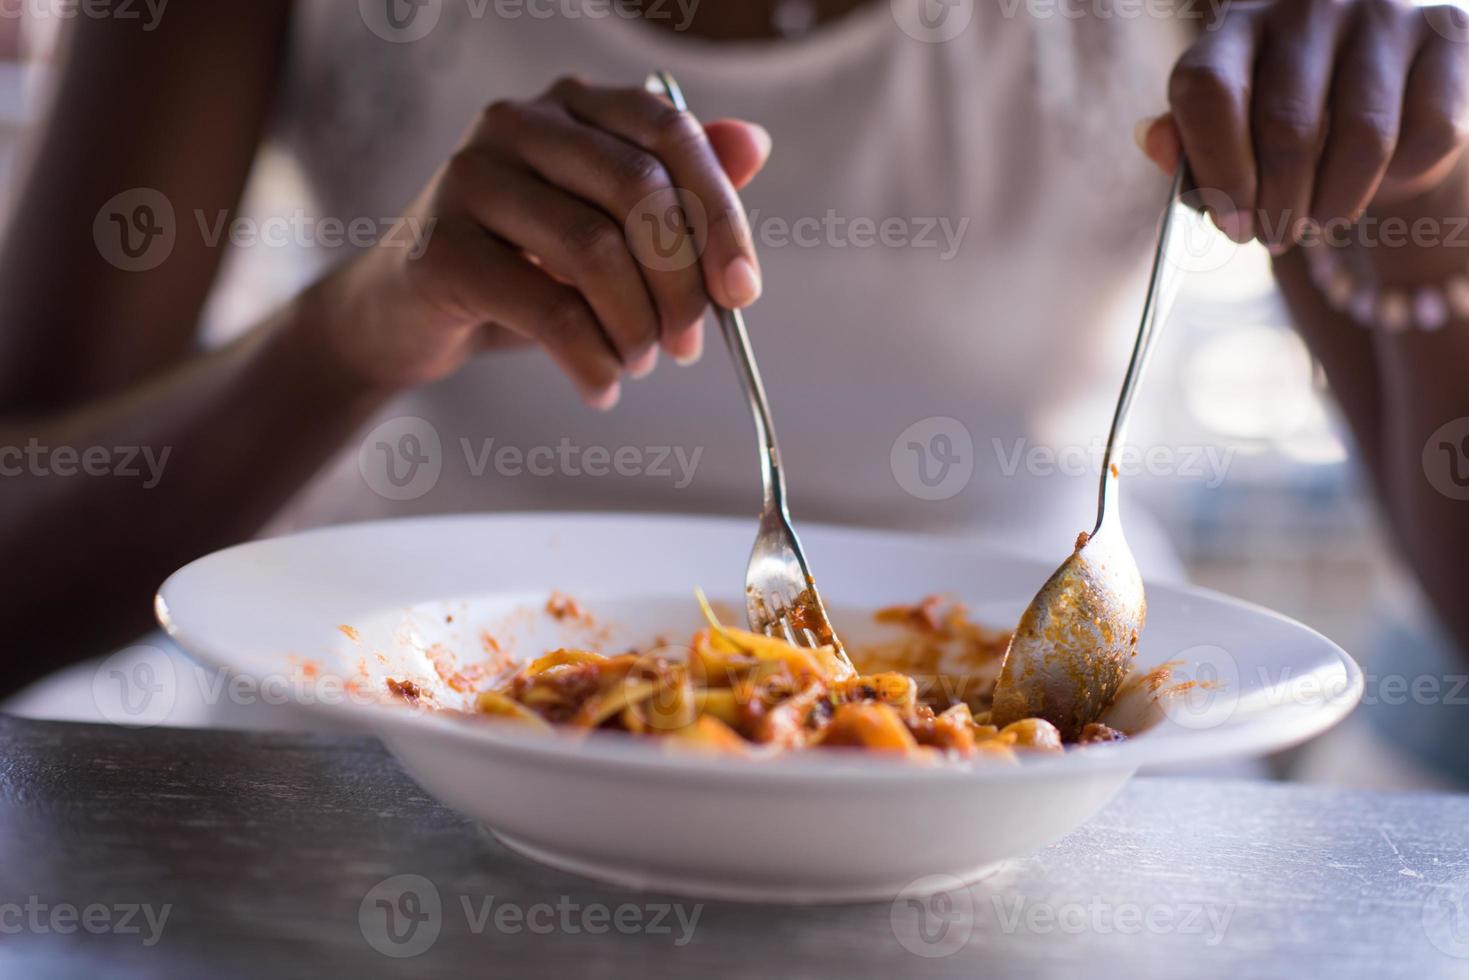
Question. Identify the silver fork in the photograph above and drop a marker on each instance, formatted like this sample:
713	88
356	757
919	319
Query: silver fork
780	591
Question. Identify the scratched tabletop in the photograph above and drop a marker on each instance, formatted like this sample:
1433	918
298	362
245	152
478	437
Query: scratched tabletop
168	853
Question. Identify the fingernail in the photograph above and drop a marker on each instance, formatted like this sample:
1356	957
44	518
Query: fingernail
741	281
689	347
1144	127
1140	132
1236	226
762	139
604	400
643	365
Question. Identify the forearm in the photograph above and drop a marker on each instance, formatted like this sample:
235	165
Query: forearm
168	117
214	448
1398	388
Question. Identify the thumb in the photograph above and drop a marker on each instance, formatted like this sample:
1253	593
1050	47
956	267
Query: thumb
742	148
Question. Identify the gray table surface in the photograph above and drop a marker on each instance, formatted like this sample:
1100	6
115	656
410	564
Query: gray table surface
268	854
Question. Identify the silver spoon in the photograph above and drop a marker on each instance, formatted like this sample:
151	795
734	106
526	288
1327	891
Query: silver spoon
1077	639
780	591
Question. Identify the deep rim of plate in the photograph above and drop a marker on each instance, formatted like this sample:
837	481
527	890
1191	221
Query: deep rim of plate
1268	731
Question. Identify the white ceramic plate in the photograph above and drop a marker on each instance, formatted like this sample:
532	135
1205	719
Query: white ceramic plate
818	827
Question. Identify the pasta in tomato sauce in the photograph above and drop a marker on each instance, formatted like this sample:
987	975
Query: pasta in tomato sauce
924	694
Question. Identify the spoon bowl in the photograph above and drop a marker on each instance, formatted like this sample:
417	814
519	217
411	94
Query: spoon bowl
1077	639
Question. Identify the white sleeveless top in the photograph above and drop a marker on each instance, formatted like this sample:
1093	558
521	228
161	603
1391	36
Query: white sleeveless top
1019	219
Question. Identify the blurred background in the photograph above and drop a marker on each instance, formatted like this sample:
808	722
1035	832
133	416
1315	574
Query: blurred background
1291	526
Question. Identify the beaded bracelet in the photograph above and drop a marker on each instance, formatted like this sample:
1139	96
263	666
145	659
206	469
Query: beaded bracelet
1393	310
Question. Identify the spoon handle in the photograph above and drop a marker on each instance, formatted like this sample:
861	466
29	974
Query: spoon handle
1152	321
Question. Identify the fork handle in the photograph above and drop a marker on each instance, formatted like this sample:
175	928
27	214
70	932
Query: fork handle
737	339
